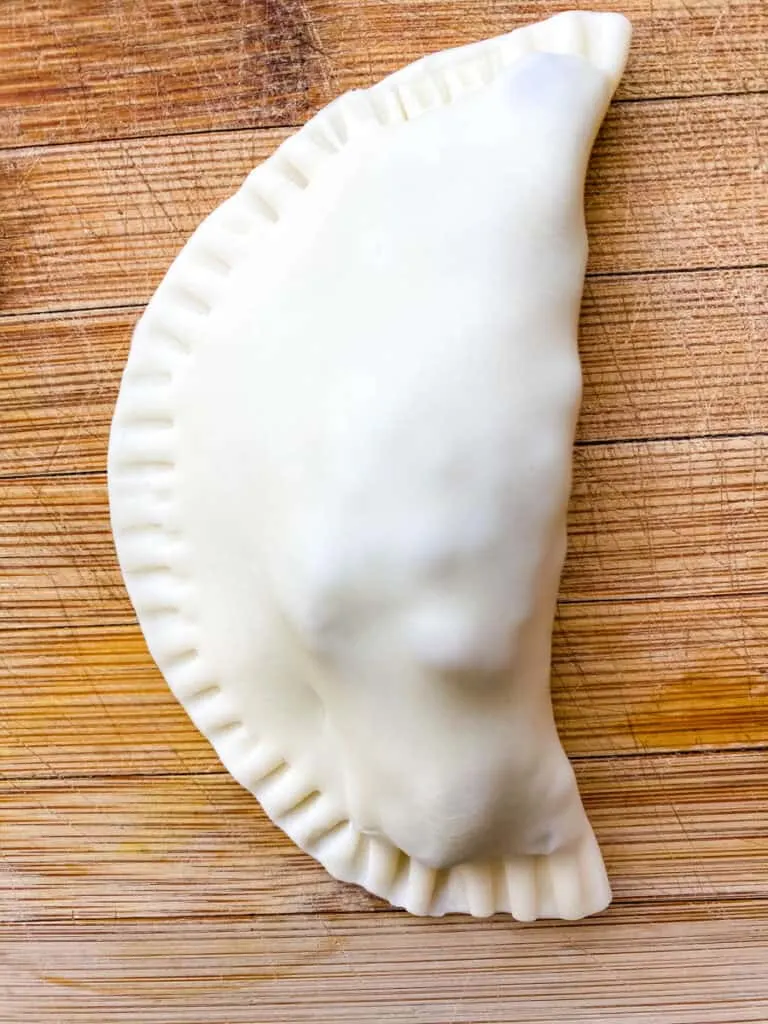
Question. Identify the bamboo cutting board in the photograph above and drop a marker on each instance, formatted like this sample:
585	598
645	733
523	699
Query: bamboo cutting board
138	883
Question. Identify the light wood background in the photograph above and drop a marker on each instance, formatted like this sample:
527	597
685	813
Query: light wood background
138	883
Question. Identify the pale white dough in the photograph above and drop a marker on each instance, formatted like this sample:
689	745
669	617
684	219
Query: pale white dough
339	470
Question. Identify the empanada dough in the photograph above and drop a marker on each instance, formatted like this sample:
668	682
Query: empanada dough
339	470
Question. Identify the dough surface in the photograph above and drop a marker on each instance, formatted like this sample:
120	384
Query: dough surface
339	472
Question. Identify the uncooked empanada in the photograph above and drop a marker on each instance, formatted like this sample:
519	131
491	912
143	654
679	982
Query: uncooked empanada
339	470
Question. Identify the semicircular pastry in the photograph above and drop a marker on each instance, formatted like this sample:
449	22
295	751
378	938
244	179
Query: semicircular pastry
339	469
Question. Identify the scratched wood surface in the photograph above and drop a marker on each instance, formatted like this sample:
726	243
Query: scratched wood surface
138	883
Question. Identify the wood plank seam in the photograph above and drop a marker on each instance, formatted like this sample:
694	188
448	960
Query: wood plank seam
578	443
9	783
60	312
27	149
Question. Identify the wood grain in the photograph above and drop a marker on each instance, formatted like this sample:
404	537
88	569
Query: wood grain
60	375
668	518
702	337
667	355
690	964
138	883
80	70
647	519
77	701
679	48
669	825
661	675
673	186
57	561
628	677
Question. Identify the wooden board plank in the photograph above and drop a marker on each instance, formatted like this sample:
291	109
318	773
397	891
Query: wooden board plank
91	700
647	519
661	675
674	355
679	964
110	217
59	377
83	70
678	48
57	560
76	71
668	518
671	827
628	677
701	337
672	186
